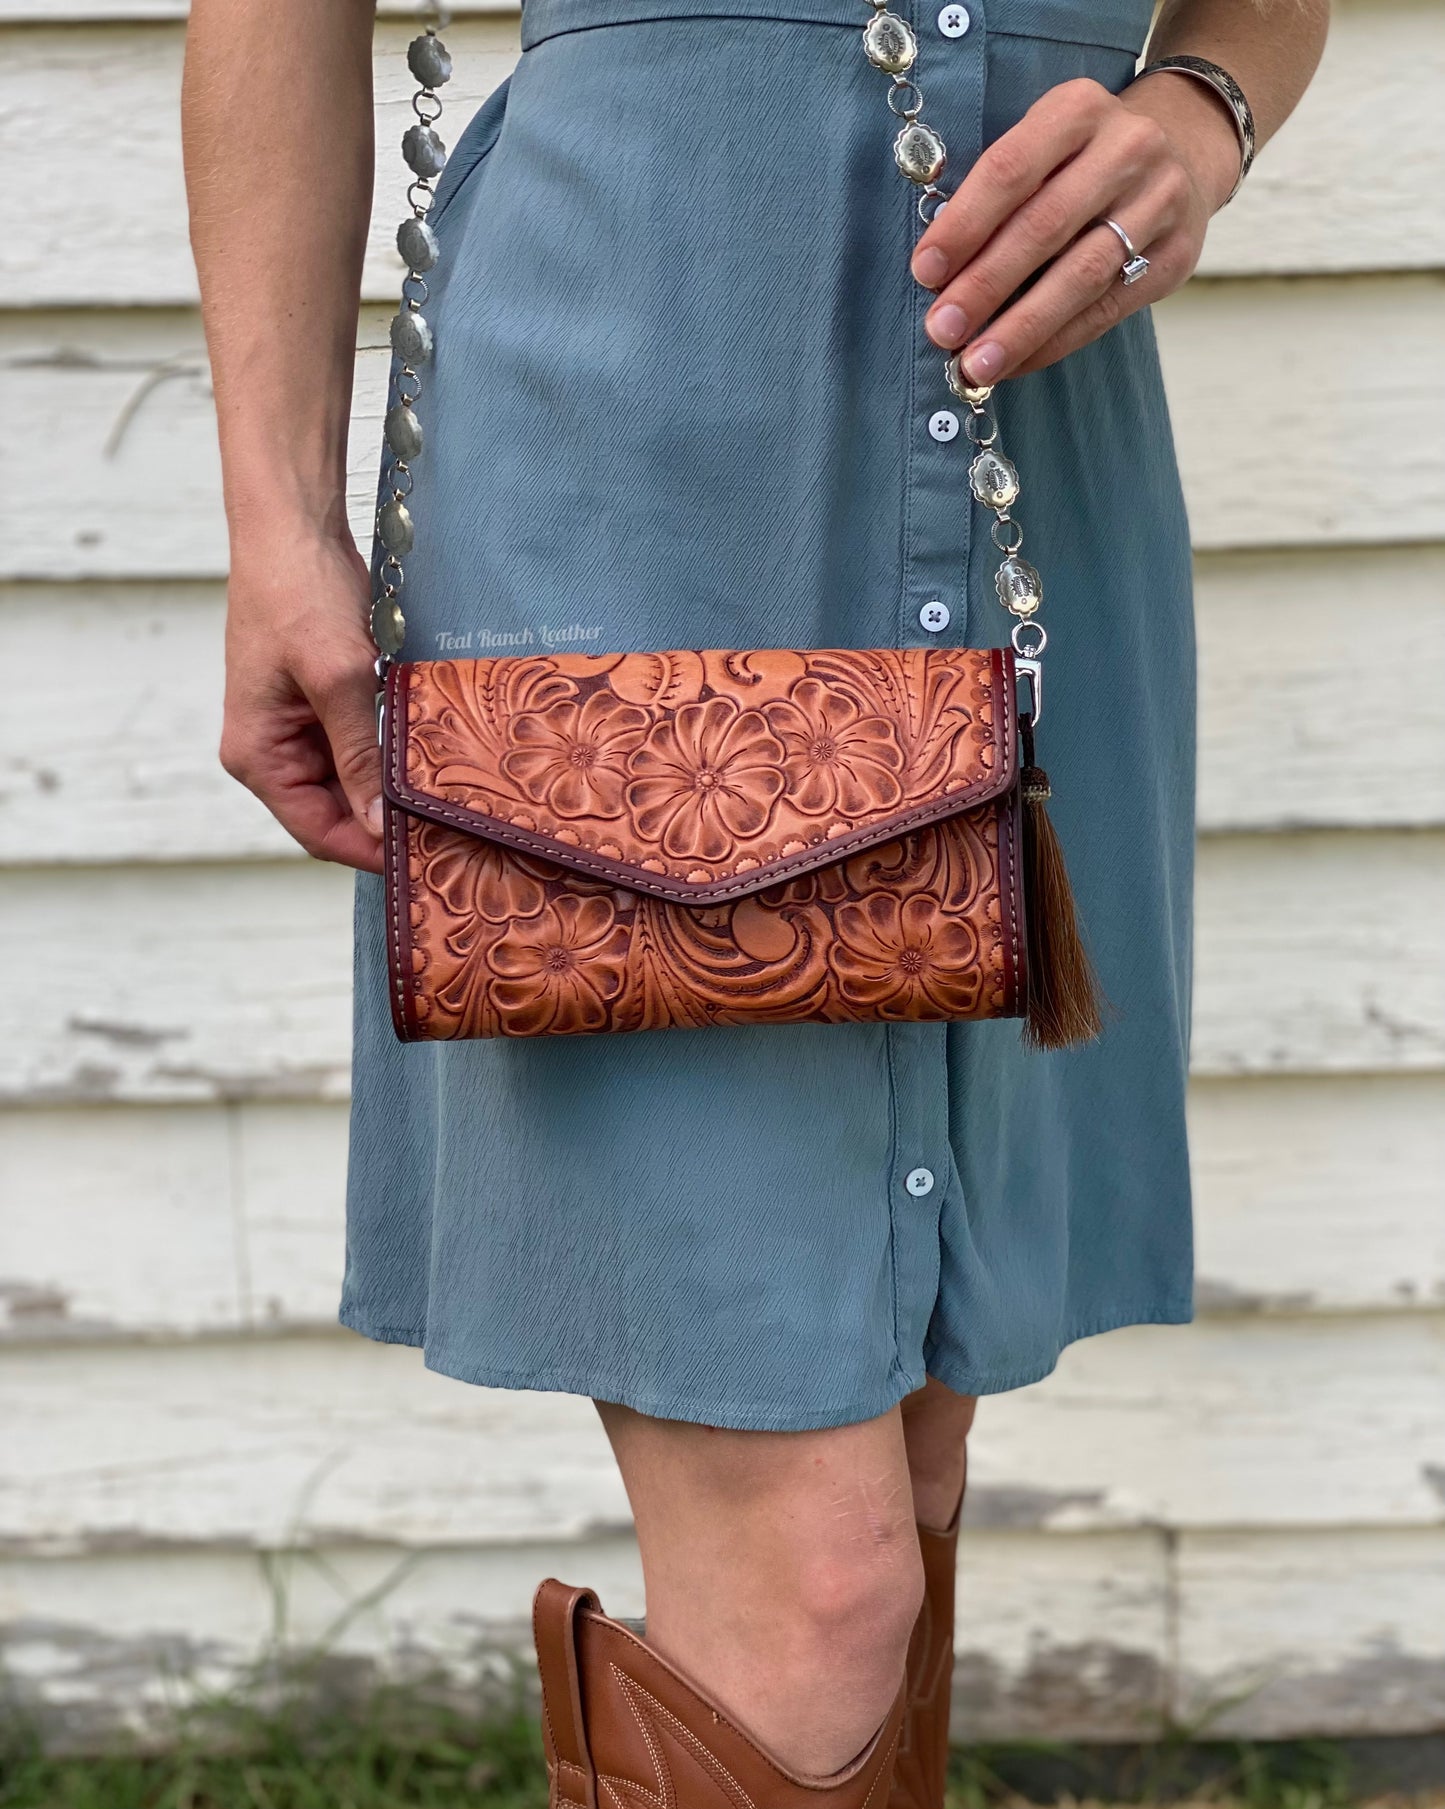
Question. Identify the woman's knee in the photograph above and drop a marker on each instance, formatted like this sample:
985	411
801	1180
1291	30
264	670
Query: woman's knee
861	1584
811	1532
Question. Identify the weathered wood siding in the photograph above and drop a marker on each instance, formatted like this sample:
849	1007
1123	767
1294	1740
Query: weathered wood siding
1239	1526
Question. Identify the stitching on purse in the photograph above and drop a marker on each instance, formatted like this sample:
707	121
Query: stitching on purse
398	981
620	873
1010	819
405	986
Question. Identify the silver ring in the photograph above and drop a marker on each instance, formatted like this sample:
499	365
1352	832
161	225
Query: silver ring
1135	263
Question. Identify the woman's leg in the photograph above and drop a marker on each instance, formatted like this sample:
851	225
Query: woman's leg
936	1424
782	1571
935	1431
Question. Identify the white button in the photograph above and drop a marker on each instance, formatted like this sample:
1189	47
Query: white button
934	616
954	21
943	425
919	1181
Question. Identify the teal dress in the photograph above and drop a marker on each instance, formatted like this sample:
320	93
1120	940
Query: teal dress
681	398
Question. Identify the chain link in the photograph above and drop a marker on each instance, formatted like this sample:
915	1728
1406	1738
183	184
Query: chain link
890	44
411	341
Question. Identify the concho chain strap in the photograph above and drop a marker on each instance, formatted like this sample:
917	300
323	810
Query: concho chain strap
411	341
891	45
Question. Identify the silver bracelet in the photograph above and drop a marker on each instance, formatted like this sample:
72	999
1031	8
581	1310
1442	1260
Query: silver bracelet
1229	91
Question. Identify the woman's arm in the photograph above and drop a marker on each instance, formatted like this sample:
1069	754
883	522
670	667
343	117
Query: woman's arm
277	132
1160	158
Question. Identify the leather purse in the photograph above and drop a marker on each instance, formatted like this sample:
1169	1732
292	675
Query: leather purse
622	842
583	843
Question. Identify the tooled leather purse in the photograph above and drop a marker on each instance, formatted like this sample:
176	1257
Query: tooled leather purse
635	840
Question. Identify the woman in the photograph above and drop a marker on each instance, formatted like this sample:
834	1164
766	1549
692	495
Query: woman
686	394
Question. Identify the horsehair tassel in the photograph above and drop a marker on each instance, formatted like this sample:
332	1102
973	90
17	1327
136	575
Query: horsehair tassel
1065	1003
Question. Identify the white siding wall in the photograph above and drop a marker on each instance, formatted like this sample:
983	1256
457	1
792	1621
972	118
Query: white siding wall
1241	1524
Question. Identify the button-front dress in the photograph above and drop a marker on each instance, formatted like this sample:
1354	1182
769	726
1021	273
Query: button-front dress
681	398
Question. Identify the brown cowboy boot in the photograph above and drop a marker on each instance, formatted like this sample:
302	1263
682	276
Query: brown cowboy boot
922	1764
624	1730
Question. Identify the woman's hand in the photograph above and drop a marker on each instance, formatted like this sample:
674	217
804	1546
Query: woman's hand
1159	158
300	713
277	122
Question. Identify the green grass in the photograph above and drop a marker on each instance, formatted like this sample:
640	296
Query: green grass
401	1750
398	1752
1177	1769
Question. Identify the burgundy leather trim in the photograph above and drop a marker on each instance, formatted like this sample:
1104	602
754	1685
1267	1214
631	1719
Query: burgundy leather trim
438	810
398	923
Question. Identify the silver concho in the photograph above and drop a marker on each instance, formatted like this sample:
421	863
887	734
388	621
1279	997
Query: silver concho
919	152
403	432
994	479
429	61
411	338
394	527
973	393
889	43
1019	586
388	625
417	244
424	151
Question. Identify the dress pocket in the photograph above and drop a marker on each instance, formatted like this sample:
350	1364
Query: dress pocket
1102	24
1036	44
1022	67
479	136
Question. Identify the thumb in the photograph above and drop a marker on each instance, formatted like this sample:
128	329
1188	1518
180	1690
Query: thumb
347	712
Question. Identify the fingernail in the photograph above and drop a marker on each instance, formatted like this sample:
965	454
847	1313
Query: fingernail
984	360
373	816
930	267
947	324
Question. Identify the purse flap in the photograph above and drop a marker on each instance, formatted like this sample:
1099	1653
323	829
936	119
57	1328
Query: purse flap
700	777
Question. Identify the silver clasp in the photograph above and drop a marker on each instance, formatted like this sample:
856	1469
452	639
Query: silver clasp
1029	640
379	667
1031	673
